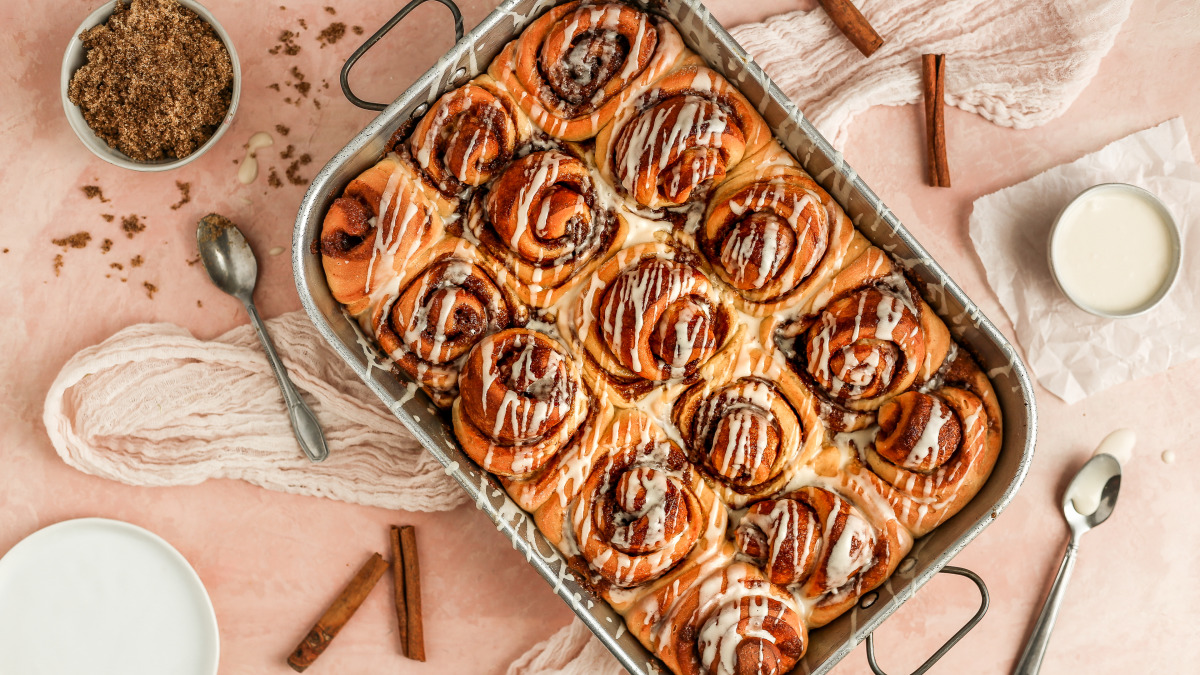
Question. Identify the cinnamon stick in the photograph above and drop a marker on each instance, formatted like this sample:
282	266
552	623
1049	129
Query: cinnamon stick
415	638
334	618
398	589
855	26
933	84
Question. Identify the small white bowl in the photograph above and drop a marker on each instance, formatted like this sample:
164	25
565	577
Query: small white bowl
76	56
1176	246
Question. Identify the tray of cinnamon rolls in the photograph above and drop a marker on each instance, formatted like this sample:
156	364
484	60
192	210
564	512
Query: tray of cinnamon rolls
666	339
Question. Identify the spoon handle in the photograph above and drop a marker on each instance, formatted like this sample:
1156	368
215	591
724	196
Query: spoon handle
1035	650
304	422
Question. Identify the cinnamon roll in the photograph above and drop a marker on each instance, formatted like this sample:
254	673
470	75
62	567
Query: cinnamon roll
826	549
465	139
440	313
543	220
576	65
935	450
648	316
373	231
873	338
774	236
643	508
747	432
679	138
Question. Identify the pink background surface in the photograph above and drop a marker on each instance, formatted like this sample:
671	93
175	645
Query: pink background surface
271	561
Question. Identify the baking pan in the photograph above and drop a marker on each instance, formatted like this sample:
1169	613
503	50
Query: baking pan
469	57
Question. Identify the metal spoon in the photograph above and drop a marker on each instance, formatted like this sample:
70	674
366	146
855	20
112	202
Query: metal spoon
231	265
1096	483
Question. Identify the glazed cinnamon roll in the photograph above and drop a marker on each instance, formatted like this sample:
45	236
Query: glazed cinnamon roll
731	623
935	450
775	236
440	313
575	66
746	433
543	220
465	139
643	508
373	231
672	143
648	316
873	338
827	550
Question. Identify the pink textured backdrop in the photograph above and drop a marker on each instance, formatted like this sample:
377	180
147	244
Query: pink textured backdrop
271	561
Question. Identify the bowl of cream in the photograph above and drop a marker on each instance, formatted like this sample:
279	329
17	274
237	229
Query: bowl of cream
1115	250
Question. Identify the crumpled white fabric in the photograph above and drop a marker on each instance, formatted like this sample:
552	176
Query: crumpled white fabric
1018	63
153	405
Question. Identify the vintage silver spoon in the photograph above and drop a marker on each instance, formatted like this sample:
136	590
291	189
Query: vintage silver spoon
1094	490
231	265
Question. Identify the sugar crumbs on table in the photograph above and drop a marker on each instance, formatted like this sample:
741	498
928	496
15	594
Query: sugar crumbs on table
77	240
106	245
199	304
185	194
293	174
282	130
330	10
288	152
274	85
158	80
303	24
151	289
358	30
58	263
305	159
4	251
93	192
108	217
136	261
331	34
273	179
287	44
194	261
132	225
116	266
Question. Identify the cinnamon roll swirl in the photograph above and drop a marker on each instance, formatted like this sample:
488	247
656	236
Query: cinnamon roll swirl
679	138
373	231
575	66
542	219
648	317
774	236
440	313
935	450
826	549
465	139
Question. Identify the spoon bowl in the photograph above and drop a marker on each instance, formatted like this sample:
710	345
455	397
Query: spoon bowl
226	255
1093	489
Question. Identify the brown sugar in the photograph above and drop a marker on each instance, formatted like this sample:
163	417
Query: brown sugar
157	83
273	179
293	174
330	10
185	194
108	217
282	130
287	44
288	152
331	34
77	240
58	263
116	266
136	261
131	225
94	191
358	30
151	289
106	245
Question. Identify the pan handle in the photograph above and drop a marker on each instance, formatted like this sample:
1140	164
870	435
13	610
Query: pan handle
983	608
366	46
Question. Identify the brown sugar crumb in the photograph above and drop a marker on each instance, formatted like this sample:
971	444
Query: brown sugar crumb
4	251
185	194
151	289
116	266
106	245
108	217
282	130
193	261
317	103
136	261
288	152
93	192
273	179
199	304
287	44
158	80
330	10
358	30
332	33
303	24
131	225
273	85
58	263
300	85
293	174
305	159
77	240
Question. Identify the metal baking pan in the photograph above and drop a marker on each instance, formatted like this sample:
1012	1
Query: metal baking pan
469	57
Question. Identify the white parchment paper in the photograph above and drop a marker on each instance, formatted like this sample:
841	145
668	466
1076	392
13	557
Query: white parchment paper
1073	353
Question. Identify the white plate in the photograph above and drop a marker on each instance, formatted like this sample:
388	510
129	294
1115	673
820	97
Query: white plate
103	597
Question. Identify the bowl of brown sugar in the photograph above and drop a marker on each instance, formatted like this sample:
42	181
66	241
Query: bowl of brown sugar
150	85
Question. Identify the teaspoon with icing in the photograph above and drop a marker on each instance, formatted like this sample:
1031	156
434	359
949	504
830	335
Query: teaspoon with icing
1094	489
231	265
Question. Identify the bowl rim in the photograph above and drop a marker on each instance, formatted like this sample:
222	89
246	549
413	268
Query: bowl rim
75	56
1176	246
